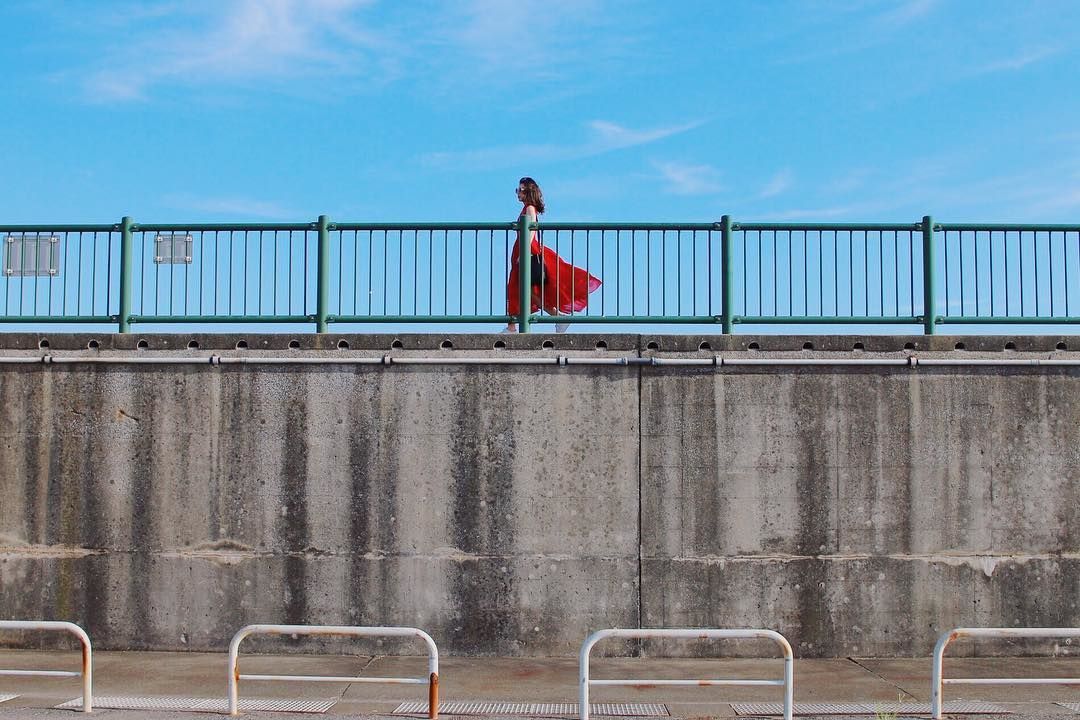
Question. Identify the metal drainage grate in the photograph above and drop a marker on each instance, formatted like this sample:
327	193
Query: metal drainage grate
4	697
867	708
536	709
135	702
1075	707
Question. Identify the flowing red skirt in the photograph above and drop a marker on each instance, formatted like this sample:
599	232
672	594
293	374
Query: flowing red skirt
565	289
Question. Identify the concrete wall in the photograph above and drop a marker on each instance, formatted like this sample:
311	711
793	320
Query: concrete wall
511	509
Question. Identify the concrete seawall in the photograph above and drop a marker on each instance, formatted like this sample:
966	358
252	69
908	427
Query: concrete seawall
511	509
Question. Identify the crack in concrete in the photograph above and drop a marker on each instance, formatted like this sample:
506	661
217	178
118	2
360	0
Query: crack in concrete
886	680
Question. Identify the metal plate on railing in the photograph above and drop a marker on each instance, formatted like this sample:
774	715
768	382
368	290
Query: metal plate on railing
536	709
219	705
4	697
867	708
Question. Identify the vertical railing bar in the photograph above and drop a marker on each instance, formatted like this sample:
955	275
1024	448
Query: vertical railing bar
1065	255
760	276
851	272
476	275
22	274
187	275
416	268
356	272
866	273
244	270
648	270
273	273
776	275
678	272
171	273
806	272
603	273
49	284
896	254
589	255
93	275
948	271
663	272
78	279
306	271
821	272
1005	246
633	268
881	273
1035	253
370	271
618	275
108	271
1020	254
836	271
63	279
289	310
978	309
202	267
461	273
693	271
1050	265
229	276
745	275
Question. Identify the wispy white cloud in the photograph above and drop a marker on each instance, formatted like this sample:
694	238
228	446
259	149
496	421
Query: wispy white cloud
1018	62
904	14
602	137
818	213
778	184
234	41
689	179
520	39
239	207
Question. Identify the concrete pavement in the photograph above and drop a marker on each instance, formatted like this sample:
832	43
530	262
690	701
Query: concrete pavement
876	682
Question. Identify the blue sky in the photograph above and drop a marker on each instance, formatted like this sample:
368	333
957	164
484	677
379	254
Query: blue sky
378	110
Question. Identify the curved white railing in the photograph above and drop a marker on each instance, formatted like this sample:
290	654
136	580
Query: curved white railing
938	681
687	634
87	673
432	679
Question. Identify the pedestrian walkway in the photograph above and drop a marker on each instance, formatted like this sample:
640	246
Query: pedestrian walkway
526	687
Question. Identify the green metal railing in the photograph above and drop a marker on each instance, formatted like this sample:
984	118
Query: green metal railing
725	274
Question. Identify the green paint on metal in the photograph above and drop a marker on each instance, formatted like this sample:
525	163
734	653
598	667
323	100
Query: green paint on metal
222	318
116	284
524	228
929	276
727	302
1006	320
823	320
59	319
126	254
322	307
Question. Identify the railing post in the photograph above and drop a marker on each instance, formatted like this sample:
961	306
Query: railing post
726	300
126	254
524	273
929	277
322	282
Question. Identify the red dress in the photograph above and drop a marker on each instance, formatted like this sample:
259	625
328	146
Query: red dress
565	288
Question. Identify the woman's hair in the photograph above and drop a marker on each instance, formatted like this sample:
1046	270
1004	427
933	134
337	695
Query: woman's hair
533	195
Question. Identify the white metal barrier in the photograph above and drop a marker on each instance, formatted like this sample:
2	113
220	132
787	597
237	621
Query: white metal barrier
87	673
938	681
432	679
688	634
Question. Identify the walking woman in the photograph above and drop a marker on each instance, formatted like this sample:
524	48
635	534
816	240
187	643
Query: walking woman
561	288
